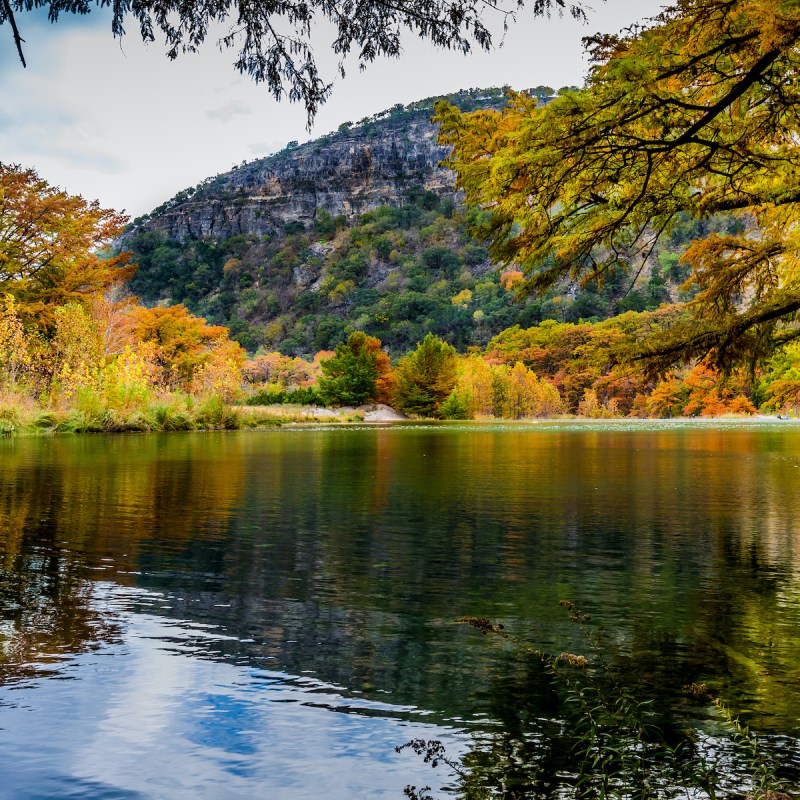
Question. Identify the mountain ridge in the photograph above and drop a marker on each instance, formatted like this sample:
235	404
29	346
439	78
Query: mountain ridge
360	229
355	169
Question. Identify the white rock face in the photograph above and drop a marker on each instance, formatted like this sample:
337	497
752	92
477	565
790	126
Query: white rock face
382	413
347	174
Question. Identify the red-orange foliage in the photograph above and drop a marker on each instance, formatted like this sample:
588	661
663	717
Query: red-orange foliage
183	342
53	246
283	371
510	278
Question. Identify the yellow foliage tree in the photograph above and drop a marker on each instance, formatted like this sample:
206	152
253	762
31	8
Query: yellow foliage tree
526	395
127	379
76	352
474	386
220	375
15	358
693	114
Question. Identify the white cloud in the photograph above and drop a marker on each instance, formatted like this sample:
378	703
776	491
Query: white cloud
228	112
119	122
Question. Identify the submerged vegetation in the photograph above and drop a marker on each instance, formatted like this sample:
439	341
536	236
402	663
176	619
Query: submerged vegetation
606	738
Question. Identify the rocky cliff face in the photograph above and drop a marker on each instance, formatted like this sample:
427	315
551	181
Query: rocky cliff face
358	230
346	173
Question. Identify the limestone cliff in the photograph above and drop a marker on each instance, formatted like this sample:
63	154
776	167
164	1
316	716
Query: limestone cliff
346	173
357	230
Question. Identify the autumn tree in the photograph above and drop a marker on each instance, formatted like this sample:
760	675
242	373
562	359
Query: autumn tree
666	400
781	382
15	357
274	40
283	372
354	374
76	352
526	395
52	246
475	386
220	375
182	343
695	114
425	378
111	314
501	390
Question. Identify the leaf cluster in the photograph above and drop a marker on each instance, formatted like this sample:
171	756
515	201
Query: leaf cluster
351	376
54	246
694	114
425	378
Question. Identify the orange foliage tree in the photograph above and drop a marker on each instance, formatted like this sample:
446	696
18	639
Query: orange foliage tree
53	246
284	372
182	342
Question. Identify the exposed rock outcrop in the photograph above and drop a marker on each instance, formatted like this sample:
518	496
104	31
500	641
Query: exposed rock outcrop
346	173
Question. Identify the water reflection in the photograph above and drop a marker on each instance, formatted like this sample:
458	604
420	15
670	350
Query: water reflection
344	555
167	715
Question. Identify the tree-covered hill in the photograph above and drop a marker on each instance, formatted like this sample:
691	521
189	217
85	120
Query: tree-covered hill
361	230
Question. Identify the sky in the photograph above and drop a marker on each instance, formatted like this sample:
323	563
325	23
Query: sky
114	120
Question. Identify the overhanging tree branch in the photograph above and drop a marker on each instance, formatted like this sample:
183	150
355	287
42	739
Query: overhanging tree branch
275	36
18	40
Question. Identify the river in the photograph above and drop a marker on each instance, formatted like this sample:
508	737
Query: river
270	614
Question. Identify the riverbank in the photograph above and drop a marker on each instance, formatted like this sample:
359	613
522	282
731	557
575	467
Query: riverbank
185	413
178	413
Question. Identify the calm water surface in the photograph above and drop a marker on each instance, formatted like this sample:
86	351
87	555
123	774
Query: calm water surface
268	615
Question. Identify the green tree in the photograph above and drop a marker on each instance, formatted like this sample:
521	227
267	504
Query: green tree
425	378
696	114
351	376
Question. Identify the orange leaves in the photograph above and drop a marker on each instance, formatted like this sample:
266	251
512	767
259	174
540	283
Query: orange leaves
183	342
68	323
701	391
693	114
729	268
511	278
52	245
220	374
587	364
281	371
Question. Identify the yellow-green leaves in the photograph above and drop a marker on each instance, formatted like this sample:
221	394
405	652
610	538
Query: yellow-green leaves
695	115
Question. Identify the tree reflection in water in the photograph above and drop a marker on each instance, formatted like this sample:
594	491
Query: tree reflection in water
346	555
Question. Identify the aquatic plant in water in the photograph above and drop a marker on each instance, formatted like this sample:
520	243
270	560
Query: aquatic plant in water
607	742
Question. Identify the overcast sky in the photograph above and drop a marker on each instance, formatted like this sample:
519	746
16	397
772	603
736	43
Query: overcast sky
115	120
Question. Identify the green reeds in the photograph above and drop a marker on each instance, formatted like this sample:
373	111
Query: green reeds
606	740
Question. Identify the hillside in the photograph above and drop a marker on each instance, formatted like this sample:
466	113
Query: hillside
359	229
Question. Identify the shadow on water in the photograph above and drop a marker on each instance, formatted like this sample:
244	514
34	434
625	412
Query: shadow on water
343	557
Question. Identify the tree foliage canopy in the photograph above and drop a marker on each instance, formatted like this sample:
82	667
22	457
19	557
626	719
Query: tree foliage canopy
425	377
274	37
352	376
695	114
51	245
